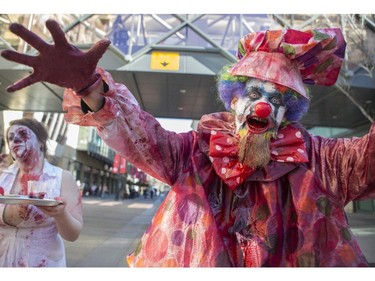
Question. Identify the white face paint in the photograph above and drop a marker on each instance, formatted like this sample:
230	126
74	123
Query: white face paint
270	98
23	144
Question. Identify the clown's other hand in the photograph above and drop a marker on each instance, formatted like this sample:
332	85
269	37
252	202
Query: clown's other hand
61	64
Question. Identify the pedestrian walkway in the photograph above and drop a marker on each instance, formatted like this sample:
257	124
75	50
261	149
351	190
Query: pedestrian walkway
112	230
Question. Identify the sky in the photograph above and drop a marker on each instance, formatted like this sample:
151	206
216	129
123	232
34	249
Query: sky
175	125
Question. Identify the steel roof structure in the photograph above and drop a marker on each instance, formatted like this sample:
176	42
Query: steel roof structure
170	61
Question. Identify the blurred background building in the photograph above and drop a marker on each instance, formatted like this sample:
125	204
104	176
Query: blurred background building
169	62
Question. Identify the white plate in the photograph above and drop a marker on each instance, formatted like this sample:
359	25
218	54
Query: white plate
24	199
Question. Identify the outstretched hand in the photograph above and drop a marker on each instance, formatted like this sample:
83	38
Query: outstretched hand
61	64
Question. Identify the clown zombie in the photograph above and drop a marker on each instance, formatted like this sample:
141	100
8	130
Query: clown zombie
250	187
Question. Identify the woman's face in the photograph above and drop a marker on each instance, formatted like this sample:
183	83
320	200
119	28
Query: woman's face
23	143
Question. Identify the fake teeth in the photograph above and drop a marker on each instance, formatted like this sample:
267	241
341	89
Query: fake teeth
257	125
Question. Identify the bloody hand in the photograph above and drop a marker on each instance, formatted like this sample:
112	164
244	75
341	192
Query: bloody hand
61	64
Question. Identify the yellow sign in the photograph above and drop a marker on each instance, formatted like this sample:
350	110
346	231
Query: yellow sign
165	60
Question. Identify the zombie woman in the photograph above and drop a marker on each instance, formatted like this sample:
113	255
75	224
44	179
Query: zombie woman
32	235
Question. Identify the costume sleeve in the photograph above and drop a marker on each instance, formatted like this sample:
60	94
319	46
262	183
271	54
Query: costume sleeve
132	132
346	166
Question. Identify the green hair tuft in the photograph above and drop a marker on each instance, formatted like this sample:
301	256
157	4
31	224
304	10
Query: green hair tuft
224	75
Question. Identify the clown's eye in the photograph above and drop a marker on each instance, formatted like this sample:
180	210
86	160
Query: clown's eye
254	95
275	100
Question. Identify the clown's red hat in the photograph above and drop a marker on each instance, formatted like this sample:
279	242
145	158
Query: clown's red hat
291	57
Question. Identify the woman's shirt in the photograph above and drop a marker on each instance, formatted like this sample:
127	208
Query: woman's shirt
34	242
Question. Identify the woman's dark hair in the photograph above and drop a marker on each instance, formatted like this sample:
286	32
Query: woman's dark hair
37	127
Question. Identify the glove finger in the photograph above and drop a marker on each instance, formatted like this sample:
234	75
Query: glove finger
57	33
22	83
97	51
30	37
19	58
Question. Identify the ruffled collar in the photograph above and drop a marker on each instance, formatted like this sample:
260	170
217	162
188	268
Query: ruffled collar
224	122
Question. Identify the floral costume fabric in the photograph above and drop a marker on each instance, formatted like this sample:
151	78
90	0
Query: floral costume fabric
288	214
35	242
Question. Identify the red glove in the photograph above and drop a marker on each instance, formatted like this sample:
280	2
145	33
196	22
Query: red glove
61	64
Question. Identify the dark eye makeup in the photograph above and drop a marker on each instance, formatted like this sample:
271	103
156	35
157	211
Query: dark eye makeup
254	94
22	134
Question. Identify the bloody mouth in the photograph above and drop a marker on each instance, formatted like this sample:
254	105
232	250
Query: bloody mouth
15	149
257	125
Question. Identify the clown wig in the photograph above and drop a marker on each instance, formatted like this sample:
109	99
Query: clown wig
230	86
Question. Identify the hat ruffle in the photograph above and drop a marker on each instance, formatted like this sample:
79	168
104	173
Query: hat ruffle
291	57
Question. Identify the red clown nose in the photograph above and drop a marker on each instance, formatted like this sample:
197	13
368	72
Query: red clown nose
263	110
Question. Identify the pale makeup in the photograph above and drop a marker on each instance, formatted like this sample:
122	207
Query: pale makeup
23	144
259	91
